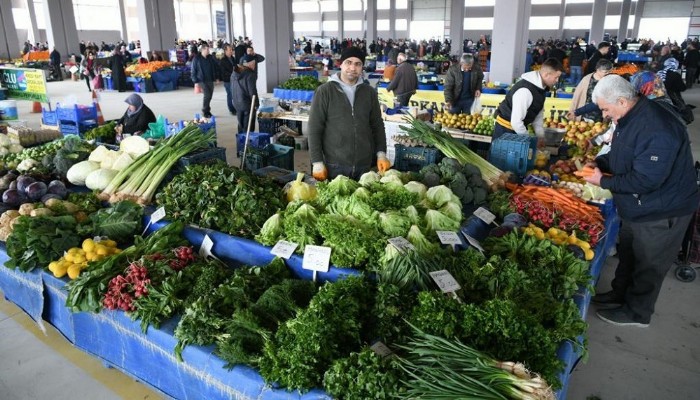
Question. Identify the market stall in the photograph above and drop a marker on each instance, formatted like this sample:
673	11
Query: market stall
394	263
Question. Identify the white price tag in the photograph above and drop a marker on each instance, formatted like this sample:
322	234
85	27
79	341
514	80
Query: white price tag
447	237
485	215
284	249
316	258
207	245
445	281
381	349
158	215
474	243
401	243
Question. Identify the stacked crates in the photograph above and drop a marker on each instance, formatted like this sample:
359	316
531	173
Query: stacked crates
77	119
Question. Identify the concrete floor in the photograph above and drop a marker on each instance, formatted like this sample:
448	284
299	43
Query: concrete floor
659	362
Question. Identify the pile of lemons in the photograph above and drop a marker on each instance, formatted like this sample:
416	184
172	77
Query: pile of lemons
77	258
560	237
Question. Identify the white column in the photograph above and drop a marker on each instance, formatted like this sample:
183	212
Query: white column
562	15
9	42
457	26
624	20
371	19
122	16
392	19
212	21
638	12
229	20
32	20
238	20
156	24
509	41
340	18
600	8
61	30
272	41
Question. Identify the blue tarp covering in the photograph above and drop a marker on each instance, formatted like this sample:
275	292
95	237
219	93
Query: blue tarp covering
115	338
289	94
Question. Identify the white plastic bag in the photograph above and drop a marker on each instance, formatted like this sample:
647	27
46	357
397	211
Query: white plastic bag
476	106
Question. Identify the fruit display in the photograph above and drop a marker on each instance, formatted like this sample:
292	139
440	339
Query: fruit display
542	159
76	259
563	171
560	237
475	123
538	177
578	133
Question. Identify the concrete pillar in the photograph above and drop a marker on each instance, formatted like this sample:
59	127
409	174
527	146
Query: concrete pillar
457	26
122	15
624	20
639	11
409	10
340	18
562	15
32	20
392	19
509	41
9	42
228	6
238	19
371	19
212	22
272	40
600	8
156	24
61	30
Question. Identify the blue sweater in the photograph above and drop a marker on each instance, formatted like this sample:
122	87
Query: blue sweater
651	163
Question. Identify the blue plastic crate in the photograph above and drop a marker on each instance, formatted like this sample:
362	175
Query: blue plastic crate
48	117
271	155
269	125
205	127
71	128
77	113
280	175
257	140
514	153
414	158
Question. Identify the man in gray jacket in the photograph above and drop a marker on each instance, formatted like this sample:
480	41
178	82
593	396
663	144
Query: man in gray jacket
405	81
346	131
462	85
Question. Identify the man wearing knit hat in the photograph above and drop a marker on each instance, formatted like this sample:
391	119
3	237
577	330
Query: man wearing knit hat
346	131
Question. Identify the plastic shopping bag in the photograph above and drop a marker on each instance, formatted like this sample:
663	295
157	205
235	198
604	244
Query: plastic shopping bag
476	106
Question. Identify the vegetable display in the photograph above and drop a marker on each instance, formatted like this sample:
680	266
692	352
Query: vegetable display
221	197
304	82
36	241
104	132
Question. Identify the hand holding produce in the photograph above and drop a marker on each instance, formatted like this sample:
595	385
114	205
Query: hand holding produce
320	173
383	164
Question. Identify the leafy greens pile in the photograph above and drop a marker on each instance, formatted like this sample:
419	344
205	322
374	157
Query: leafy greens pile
220	197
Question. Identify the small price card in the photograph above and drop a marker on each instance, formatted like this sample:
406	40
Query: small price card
401	244
381	349
474	243
284	249
485	215
316	258
158	215
448	237
445	281
207	245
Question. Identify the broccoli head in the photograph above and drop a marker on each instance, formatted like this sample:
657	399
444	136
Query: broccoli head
449	167
468	196
477	182
470	170
431	179
459	185
430	168
480	195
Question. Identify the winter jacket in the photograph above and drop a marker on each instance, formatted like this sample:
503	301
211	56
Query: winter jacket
205	69
243	87
226	65
592	61
405	80
692	59
137	122
651	163
576	57
524	104
345	134
453	81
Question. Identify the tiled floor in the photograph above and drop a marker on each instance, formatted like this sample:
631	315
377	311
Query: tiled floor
660	362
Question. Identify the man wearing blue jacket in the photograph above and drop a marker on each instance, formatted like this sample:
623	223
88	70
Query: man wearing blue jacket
205	72
650	172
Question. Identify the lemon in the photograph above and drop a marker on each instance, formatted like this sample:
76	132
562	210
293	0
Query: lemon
117	251
101	250
109	243
53	265
79	259
88	245
69	256
90	256
73	250
73	271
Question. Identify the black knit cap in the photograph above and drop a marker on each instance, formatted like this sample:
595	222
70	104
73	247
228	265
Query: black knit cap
352	52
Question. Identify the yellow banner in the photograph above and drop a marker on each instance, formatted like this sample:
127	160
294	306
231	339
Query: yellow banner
24	84
435	99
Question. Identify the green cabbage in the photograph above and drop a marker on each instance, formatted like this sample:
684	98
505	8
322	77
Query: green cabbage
340	186
412	214
452	210
362	194
419	241
440	195
394	223
368	178
418	188
271	230
437	221
391	180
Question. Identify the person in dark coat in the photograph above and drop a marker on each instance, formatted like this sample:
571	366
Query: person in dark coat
692	61
136	118
117	64
226	65
205	72
405	81
603	49
576	58
55	58
244	88
240	49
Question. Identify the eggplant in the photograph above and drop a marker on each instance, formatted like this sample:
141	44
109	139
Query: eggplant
58	188
23	183
12	197
36	191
